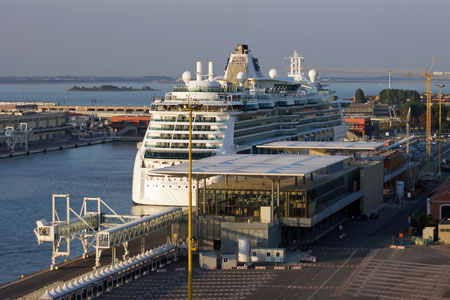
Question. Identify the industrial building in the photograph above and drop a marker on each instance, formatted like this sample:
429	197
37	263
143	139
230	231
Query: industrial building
28	126
274	200
130	125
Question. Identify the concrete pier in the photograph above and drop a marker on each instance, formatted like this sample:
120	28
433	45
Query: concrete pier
57	147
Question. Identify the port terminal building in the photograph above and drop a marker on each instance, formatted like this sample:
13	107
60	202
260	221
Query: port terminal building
395	166
277	200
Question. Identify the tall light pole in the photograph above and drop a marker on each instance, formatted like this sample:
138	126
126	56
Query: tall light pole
440	86
190	291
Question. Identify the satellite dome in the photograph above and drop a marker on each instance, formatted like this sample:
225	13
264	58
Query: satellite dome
273	73
186	77
241	77
312	75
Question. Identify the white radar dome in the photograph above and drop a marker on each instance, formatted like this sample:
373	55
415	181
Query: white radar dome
241	77
312	75
186	77
273	73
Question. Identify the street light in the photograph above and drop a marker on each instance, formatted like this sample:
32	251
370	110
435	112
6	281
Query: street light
440	86
190	109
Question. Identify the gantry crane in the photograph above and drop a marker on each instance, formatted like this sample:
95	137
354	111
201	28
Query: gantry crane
428	75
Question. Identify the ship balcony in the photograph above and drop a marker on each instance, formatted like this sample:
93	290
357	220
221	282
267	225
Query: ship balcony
186	121
186	130
194	147
257	128
178	140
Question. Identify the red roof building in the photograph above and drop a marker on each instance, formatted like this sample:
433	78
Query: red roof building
439	206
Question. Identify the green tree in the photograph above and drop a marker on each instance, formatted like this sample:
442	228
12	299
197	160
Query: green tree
398	97
359	96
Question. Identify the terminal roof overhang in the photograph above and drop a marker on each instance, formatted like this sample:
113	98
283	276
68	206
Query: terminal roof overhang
253	165
344	146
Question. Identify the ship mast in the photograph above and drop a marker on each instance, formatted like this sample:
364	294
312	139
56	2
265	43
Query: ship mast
296	68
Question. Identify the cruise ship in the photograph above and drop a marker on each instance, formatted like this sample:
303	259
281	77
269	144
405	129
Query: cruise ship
233	114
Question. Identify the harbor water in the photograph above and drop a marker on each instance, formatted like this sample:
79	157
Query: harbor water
105	171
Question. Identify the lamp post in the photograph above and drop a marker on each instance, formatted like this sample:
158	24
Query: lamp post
190	291
440	86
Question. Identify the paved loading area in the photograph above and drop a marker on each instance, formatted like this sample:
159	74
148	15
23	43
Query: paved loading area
358	266
368	274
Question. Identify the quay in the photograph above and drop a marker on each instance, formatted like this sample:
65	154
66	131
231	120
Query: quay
47	147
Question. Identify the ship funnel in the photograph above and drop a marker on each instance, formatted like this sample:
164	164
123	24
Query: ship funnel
210	71
199	71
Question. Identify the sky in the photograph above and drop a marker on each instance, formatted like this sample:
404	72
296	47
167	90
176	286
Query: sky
167	37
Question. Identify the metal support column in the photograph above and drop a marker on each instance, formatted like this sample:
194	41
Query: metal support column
204	196
143	245
113	255
272	196
278	198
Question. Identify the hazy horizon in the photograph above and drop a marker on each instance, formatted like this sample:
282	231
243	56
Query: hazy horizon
138	37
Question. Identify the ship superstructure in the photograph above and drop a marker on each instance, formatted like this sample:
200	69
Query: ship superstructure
233	114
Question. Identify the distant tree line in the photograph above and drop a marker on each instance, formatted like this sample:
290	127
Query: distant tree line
107	88
404	99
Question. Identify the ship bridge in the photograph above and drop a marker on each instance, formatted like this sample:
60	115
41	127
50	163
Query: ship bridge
101	228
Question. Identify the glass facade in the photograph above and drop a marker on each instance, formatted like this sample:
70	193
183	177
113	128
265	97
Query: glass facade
303	201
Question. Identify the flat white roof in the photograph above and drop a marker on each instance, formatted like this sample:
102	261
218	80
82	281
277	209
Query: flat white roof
254	165
349	146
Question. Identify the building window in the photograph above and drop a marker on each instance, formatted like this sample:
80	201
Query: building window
278	254
254	253
268	254
225	259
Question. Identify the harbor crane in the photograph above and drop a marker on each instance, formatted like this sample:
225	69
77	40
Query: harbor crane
428	76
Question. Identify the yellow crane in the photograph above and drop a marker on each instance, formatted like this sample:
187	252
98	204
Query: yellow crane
428	75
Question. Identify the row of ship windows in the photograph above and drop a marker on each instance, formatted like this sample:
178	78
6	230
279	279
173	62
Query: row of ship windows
281	112
170	186
276	122
309	126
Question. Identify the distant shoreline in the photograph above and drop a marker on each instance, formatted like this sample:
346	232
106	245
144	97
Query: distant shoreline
110	88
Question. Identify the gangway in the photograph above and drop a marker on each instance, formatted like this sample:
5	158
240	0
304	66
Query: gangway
96	229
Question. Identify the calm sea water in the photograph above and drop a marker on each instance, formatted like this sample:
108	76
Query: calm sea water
102	171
